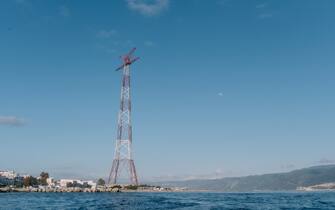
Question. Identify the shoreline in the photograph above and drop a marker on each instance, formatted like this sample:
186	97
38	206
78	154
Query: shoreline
69	190
85	190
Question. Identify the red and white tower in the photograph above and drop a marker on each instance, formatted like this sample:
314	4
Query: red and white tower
123	159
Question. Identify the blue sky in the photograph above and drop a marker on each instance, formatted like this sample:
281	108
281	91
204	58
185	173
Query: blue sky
223	87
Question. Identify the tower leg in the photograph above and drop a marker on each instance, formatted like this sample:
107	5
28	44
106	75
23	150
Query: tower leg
114	171
133	175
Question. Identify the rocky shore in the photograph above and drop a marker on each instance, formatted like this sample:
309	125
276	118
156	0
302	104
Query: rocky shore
8	189
86	190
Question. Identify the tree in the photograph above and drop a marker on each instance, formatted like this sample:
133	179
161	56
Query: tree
131	187
43	178
86	185
26	181
101	182
44	175
116	186
69	184
18	182
29	181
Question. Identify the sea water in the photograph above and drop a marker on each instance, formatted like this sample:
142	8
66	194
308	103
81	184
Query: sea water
183	200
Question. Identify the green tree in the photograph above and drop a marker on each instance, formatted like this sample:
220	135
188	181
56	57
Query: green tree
29	181
86	185
43	178
18	182
131	187
117	186
101	182
44	175
69	184
26	181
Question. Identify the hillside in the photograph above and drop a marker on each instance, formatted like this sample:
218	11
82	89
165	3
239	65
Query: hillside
267	182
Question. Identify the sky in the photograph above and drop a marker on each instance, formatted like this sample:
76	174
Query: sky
222	88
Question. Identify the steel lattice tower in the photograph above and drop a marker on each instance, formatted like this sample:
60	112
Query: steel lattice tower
123	148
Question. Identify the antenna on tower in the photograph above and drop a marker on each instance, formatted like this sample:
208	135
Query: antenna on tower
128	59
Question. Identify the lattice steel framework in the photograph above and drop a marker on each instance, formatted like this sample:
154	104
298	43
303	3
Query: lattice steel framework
123	159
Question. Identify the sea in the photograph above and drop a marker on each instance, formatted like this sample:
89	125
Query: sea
170	200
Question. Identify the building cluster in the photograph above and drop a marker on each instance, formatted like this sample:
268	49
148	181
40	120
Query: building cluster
64	183
320	187
14	182
12	179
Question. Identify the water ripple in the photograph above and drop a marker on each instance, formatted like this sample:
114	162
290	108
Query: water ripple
210	201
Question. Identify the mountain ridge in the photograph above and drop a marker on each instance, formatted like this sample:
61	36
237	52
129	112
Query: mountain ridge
266	182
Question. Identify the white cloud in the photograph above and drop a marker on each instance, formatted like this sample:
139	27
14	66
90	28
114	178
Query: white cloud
106	48
264	12
64	11
149	43
265	15
106	33
148	7
259	6
11	120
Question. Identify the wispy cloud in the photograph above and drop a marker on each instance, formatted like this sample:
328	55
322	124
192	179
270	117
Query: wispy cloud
259	6
265	15
263	11
106	33
109	41
64	11
149	43
147	7
12	121
107	48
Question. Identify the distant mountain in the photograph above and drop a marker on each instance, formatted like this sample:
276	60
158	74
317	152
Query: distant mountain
267	182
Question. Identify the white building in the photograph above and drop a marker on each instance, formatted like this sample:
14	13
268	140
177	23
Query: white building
51	182
10	178
8	174
65	182
5	181
92	184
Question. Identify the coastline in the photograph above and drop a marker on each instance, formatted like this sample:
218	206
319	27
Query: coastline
78	190
111	190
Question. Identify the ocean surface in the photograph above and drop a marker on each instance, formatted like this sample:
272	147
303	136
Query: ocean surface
289	200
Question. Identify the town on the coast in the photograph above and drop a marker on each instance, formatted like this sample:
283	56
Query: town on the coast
10	181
